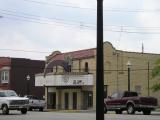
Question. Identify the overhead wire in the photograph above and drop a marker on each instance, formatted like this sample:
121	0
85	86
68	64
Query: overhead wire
107	10
69	22
29	18
34	19
51	68
16	50
55	4
33	16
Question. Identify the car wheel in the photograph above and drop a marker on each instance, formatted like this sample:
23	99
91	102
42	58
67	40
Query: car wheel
24	110
5	110
146	112
130	109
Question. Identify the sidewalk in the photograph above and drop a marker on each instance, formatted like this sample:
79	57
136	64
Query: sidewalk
157	111
71	111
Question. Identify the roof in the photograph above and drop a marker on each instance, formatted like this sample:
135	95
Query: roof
5	61
76	54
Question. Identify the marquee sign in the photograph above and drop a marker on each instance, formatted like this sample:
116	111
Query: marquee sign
64	80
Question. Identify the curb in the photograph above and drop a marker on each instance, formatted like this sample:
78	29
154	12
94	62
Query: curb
70	111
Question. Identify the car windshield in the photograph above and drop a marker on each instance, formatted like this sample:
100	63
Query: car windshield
10	94
2	94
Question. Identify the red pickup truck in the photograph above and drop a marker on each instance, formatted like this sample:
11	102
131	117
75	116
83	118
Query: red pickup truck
129	101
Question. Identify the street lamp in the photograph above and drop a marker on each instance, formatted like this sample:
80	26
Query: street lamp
28	78
129	70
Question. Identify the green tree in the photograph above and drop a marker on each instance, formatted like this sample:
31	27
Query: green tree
156	73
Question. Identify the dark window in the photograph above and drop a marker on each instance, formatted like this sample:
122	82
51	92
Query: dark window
69	68
130	94
66	98
51	102
86	67
105	91
74	100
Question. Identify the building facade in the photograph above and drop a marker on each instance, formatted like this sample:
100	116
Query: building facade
19	74
70	78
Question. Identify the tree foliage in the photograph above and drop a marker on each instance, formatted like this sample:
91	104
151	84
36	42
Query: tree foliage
156	73
156	87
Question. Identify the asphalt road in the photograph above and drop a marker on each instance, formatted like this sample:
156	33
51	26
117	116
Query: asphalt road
35	115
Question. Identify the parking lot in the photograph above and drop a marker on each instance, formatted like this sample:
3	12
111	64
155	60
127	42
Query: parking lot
60	115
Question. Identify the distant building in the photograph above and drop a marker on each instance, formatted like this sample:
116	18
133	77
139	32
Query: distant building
19	74
70	78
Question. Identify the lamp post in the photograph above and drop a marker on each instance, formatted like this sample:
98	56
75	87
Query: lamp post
28	78
129	70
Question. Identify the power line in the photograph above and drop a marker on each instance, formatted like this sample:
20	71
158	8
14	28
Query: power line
55	4
107	10
36	19
134	32
39	22
27	19
70	22
32	16
51	68
32	51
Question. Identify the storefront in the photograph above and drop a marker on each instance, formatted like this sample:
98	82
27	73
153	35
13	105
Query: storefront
71	91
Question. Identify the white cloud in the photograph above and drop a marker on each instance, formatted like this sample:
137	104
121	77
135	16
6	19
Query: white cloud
45	37
68	38
55	36
150	18
16	40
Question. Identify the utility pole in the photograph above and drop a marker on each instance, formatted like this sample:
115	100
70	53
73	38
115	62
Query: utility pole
129	71
148	79
129	79
99	64
117	54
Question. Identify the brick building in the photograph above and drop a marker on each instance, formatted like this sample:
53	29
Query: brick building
14	72
70	78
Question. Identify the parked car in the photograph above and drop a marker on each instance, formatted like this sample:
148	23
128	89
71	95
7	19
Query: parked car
10	101
131	102
35	103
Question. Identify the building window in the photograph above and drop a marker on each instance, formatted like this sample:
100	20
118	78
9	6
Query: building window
86	67
4	76
69	68
105	91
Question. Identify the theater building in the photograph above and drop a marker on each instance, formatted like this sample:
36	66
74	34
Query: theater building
70	78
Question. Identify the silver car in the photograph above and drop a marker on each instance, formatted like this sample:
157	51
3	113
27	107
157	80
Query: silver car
35	103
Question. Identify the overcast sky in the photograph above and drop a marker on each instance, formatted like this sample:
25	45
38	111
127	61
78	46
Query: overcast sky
35	28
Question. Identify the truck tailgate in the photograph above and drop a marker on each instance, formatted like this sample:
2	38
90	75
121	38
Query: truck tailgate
148	101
